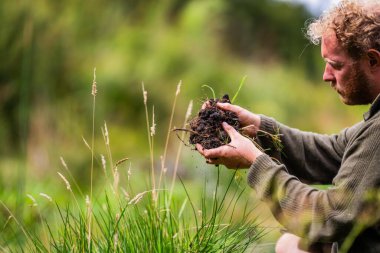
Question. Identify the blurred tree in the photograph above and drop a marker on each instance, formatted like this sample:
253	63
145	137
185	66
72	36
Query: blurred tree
268	30
51	47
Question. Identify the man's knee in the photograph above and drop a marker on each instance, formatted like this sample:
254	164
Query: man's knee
288	243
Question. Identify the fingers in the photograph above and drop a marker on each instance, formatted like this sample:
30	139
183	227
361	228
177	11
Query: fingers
218	152
249	130
213	154
210	154
228	107
200	148
230	131
224	106
205	105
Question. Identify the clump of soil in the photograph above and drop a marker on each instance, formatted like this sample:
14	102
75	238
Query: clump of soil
207	129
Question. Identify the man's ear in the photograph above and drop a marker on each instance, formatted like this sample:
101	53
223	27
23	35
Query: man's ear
373	58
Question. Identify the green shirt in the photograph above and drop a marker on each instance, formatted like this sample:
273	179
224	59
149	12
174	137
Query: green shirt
349	161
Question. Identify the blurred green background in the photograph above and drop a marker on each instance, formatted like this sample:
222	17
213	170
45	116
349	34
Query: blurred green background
49	50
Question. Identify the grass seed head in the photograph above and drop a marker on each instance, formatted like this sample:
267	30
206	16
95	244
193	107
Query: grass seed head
178	88
86	143
137	198
68	187
126	194
189	110
103	162
115	241
88	201
32	199
46	196
106	135
153	127
129	172
121	161
145	94
94	90
63	163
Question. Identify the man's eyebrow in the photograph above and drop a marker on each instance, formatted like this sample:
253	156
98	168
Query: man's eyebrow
333	62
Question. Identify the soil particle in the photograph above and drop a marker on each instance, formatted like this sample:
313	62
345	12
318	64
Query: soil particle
207	128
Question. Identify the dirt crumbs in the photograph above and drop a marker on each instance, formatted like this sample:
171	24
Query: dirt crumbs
207	129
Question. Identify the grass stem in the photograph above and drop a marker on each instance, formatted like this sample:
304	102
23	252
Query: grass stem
187	116
145	95
94	91
163	160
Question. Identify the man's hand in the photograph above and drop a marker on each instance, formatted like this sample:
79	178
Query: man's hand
238	154
249	121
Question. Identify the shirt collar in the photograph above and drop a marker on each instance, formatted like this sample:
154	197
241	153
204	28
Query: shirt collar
375	107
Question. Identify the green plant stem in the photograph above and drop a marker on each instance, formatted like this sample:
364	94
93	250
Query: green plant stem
212	90
238	91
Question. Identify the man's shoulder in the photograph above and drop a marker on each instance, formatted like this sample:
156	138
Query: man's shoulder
363	129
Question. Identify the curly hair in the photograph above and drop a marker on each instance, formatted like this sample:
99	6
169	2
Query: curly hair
356	24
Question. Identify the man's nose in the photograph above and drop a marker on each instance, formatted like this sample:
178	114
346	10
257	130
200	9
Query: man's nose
328	75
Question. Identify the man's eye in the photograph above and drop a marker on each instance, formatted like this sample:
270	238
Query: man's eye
336	65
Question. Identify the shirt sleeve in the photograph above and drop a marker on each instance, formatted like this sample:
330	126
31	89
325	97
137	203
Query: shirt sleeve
313	158
323	215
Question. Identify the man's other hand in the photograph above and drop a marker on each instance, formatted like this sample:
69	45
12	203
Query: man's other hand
249	121
240	153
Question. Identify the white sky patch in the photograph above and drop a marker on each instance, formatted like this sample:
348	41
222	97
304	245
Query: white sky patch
316	7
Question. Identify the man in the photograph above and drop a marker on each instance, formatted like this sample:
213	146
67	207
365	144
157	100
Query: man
347	214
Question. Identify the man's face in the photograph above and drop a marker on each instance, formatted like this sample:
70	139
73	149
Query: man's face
345	75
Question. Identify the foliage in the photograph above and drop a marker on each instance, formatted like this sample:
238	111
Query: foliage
141	224
150	221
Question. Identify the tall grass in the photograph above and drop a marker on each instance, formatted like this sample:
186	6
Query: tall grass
152	220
